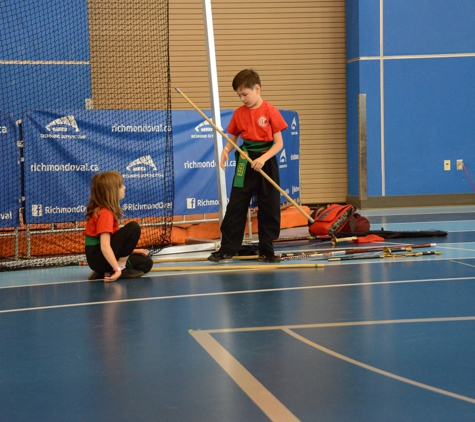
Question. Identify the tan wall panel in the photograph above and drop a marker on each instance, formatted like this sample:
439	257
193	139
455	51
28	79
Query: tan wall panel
129	63
298	48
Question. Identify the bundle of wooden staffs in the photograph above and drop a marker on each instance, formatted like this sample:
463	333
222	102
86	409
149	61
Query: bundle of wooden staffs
327	254
330	255
386	254
214	267
321	238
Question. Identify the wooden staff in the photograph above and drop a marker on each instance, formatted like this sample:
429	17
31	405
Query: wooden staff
332	252
198	259
336	240
244	155
319	253
221	267
403	255
311	237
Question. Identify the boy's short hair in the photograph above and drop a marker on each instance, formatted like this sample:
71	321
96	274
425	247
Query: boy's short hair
246	78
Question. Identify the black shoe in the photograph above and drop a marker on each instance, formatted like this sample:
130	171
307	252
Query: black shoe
95	276
219	256
128	273
269	258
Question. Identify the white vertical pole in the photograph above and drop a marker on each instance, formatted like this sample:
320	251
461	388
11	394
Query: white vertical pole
215	108
381	87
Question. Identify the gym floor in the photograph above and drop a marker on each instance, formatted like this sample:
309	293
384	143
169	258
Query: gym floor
386	339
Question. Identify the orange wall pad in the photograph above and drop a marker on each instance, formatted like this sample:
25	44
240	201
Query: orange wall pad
73	242
289	217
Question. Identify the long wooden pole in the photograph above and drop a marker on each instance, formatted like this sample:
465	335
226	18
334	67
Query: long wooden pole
243	154
332	252
198	259
402	255
318	253
221	267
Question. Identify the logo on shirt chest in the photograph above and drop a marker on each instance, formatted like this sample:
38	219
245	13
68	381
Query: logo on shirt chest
262	121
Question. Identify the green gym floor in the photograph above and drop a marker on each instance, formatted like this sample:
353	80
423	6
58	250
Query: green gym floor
385	339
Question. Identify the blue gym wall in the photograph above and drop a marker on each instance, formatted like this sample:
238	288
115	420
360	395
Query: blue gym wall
62	54
427	56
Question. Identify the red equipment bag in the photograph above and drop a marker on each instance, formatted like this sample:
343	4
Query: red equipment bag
336	218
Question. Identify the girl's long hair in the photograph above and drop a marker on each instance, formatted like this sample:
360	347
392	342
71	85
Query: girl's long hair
105	194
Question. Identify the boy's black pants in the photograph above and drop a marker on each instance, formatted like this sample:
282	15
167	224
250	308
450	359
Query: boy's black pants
268	216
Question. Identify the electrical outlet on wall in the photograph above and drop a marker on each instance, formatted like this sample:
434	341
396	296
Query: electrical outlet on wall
447	165
459	164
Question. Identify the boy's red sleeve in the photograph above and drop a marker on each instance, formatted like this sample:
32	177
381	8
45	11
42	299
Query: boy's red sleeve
277	122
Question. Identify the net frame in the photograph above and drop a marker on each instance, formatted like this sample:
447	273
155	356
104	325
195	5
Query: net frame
75	55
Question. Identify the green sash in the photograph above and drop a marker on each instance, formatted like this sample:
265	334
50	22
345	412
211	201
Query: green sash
241	163
92	241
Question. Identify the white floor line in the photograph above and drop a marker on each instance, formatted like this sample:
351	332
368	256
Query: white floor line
198	295
377	370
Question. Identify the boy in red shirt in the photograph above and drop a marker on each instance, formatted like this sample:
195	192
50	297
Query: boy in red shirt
260	126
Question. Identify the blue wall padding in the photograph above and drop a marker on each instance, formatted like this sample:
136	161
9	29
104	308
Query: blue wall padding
428	100
429	106
428	26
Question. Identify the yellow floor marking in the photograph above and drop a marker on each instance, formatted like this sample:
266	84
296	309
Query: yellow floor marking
263	398
378	371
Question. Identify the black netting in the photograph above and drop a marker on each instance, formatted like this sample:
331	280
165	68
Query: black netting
84	88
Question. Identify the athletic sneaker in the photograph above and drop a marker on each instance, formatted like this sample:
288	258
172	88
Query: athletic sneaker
219	256
269	258
128	273
95	276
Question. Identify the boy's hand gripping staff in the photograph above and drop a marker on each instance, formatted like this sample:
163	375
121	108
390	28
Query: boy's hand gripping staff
299	208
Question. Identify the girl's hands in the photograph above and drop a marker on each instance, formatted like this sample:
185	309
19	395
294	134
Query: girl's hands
113	277
142	252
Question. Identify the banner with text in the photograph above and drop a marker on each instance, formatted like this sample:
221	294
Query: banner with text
11	172
196	189
63	149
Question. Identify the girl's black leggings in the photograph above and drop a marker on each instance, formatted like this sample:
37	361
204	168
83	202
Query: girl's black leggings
123	242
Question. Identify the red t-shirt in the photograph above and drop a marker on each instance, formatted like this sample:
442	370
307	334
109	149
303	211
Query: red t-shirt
105	222
257	124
